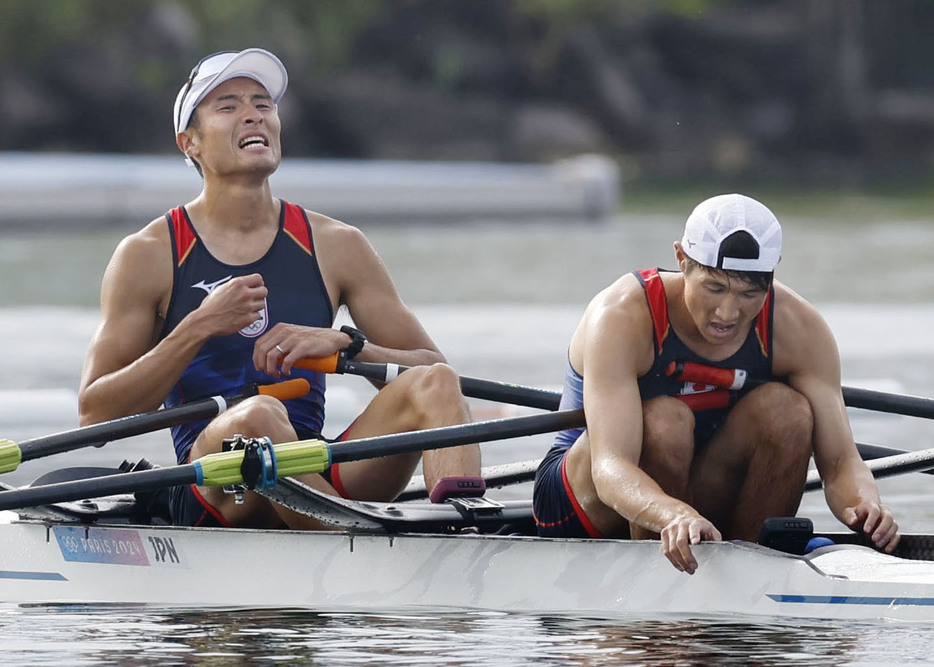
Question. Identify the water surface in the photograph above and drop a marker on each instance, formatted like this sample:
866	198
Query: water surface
502	300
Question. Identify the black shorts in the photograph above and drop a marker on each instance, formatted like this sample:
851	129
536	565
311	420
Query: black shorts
554	507
187	507
706	423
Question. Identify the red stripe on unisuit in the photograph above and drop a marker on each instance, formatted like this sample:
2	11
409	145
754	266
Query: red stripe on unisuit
763	322
585	521
210	508
296	226
185	238
658	305
337	483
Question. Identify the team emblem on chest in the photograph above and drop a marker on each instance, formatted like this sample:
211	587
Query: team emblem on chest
259	326
696	388
250	331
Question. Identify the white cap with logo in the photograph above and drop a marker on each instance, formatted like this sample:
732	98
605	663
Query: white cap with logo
257	64
713	220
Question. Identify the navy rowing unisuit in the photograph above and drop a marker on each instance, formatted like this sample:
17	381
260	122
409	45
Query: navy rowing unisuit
557	512
224	365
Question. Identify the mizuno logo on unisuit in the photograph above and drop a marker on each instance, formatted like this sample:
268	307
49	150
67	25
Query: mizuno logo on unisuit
251	330
210	287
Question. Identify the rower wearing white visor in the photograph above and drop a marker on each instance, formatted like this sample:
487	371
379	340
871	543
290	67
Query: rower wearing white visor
677	444
235	287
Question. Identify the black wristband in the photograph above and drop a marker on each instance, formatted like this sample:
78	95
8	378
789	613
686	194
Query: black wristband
357	339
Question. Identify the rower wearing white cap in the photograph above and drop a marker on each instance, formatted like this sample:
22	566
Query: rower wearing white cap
670	448
236	286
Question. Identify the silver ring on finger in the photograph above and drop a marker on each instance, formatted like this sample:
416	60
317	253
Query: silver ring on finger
281	351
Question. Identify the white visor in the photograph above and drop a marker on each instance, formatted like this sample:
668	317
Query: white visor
717	218
257	64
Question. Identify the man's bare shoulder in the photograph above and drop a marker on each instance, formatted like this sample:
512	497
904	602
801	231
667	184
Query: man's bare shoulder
328	225
152	240
142	261
792	310
624	297
800	334
617	323
620	309
337	235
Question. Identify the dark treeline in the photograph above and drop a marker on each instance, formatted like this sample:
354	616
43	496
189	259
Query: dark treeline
825	92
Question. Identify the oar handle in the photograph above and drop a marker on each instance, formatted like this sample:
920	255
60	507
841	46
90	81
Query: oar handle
340	364
284	391
320	364
853	397
689	371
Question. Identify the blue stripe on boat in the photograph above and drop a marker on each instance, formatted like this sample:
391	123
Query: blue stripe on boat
41	576
851	599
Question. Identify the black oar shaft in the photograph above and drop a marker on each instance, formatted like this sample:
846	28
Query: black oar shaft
490	390
143	480
453	436
308	456
510	393
115	429
125	427
854	397
549	400
524	471
901	463
899	404
870	452
887	466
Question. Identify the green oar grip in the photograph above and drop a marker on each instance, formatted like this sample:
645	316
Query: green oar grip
220	469
292	458
300	458
10	456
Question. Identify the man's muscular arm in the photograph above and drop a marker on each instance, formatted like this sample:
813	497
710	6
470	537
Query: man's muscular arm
356	277
126	370
810	359
612	345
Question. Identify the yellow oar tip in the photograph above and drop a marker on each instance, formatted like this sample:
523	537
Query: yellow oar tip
10	456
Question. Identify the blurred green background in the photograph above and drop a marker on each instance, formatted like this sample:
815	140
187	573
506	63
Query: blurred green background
813	94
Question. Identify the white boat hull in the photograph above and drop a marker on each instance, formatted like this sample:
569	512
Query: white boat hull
46	563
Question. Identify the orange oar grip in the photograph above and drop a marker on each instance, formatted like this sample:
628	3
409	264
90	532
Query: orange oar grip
322	364
295	388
